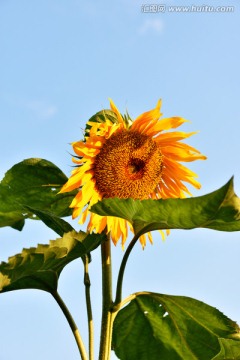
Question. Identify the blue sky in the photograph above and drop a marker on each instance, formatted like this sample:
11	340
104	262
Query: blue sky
60	62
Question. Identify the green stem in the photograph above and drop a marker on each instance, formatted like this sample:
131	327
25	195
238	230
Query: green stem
87	284
107	315
72	325
121	272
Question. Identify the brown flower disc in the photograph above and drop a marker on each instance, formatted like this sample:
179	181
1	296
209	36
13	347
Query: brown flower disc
128	165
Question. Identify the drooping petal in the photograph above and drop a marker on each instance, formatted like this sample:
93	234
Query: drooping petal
84	216
76	212
97	223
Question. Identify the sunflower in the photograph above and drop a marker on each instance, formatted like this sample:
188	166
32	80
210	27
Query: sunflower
123	158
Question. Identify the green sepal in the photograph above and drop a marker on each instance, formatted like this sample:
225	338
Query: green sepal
219	210
106	114
101	117
34	183
40	267
156	326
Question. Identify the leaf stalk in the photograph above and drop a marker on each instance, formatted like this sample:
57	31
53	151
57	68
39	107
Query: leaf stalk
107	314
87	284
72	325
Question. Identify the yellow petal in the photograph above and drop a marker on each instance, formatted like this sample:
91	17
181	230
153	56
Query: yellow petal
115	109
150	237
95	198
166	124
76	212
83	216
142	240
146	117
81	149
77	179
166	138
85	194
179	153
97	223
124	230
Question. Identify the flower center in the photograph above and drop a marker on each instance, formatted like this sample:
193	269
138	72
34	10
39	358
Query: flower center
135	168
128	165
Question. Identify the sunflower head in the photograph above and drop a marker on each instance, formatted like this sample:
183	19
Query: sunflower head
137	159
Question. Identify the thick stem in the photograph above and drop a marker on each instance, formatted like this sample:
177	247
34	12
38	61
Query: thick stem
107	315
87	284
72	325
121	273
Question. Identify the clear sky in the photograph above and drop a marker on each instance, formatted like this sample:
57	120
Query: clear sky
60	62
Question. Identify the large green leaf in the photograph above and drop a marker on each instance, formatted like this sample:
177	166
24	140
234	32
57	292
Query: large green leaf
219	210
230	350
40	267
34	183
155	326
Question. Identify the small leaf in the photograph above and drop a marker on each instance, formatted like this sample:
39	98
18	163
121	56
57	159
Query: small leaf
155	326
54	222
40	268
219	210
230	350
34	183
